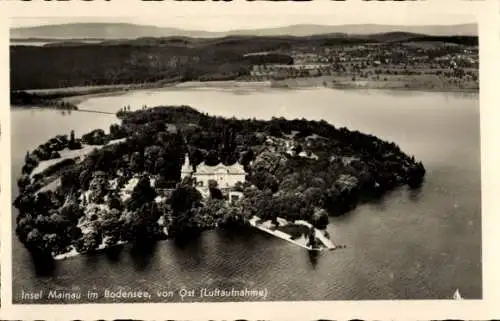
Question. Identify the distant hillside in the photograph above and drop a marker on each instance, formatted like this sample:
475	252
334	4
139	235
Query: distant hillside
256	43
171	59
363	29
110	31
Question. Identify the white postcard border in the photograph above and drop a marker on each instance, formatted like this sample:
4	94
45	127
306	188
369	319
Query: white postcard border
489	38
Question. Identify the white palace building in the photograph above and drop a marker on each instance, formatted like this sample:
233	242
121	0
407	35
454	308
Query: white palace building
225	176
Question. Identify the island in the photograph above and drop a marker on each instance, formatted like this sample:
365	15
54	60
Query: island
172	172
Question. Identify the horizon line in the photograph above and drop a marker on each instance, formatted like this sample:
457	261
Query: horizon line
257	28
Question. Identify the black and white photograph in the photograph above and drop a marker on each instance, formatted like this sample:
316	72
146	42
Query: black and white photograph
303	158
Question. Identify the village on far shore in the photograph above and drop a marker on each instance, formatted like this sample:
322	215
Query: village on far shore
173	172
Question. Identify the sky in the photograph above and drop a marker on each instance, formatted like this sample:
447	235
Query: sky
242	15
222	23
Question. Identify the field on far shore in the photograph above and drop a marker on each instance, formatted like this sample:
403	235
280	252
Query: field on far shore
423	82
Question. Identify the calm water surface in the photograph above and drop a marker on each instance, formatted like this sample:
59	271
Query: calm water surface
411	245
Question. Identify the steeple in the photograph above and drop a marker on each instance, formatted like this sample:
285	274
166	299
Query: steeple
187	169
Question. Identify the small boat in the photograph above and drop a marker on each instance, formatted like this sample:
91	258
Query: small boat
457	295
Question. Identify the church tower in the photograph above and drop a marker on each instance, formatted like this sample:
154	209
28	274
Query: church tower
187	169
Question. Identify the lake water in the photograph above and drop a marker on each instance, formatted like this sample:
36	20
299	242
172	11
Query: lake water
411	245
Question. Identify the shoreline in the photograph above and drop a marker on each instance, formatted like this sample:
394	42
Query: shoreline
77	95
327	244
73	253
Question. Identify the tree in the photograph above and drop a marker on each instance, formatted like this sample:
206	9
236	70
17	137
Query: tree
151	155
143	224
70	180
159	164
212	158
111	225
74	233
415	175
274	130
88	242
297	149
95	137
25	203
136	162
24	226
23	182
143	193
290	182
72	212
54	155
85	179
54	243
313	196
116	132
264	180
196	157
27	157
246	157
34	240
115	202
161	182
215	192
320	219
183	198
43	203
98	188
318	182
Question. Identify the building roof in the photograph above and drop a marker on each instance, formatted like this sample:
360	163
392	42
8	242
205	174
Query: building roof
235	169
220	169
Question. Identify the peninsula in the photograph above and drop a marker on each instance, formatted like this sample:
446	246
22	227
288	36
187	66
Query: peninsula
173	172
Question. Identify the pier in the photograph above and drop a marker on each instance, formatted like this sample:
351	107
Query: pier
94	111
320	236
328	244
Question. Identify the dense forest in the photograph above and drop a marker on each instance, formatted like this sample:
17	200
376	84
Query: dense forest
94	64
147	60
296	169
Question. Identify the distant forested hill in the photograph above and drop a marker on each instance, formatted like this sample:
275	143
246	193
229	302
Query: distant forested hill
131	31
175	58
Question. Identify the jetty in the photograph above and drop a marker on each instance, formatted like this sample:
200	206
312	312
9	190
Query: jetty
320	236
267	227
93	111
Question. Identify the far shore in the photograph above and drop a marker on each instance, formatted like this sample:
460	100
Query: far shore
76	95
